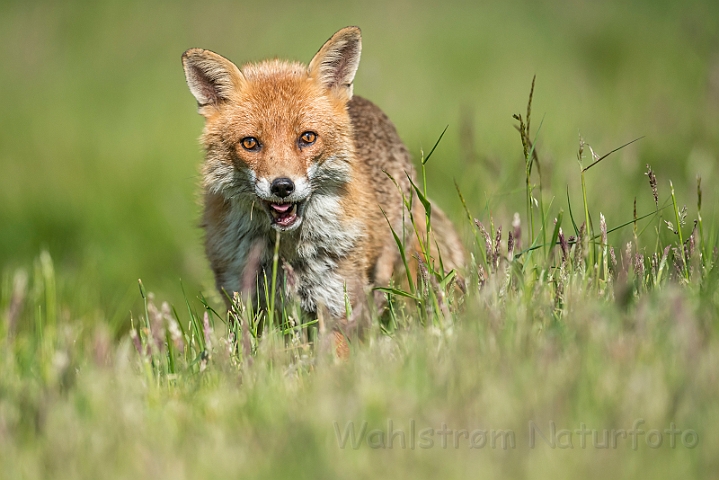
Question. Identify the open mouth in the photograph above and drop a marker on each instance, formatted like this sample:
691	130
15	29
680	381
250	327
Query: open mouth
284	215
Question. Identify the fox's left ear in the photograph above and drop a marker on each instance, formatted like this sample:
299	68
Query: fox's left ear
335	65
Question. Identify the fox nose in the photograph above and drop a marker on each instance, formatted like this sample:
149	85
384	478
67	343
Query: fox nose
282	187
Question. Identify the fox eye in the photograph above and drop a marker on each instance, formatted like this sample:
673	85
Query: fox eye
307	139
250	143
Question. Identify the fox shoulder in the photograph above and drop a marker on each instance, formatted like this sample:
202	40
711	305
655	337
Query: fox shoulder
378	147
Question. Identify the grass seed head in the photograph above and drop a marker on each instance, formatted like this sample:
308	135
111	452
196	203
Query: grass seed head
683	216
564	245
207	331
579	244
517	229
510	246
678	262
690	243
157	324
699	193
487	242
666	252
497	247
639	267
173	327
653	185
603	228
655	265
613	259
290	276
136	340
481	276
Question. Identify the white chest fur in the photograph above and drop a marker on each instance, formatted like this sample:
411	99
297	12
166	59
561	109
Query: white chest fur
314	251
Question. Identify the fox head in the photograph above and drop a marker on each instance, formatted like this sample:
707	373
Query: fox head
277	133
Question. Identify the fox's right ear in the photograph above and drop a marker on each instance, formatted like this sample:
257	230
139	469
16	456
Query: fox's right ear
211	77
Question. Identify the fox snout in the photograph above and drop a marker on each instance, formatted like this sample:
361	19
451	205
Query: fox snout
284	200
283	189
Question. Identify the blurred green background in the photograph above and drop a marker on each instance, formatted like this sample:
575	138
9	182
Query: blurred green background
98	134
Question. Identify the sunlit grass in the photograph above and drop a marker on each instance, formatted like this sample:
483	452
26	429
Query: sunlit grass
576	335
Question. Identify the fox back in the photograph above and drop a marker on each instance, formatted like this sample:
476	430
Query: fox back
291	156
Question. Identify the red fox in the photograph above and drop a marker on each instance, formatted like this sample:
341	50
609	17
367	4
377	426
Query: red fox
289	149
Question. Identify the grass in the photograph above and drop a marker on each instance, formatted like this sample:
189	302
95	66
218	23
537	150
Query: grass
593	312
572	358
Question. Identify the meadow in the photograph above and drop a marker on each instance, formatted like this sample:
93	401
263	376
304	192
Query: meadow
592	351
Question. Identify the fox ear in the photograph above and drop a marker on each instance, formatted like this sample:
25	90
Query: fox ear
335	65
211	77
